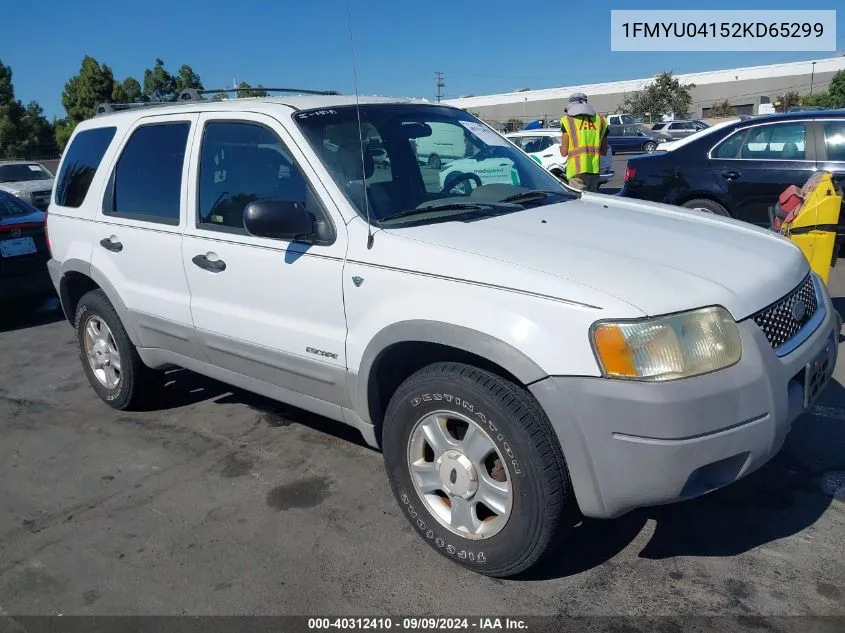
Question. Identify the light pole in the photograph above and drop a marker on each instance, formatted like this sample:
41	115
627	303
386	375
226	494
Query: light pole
812	76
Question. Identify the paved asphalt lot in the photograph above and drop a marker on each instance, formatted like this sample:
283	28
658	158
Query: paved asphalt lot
216	502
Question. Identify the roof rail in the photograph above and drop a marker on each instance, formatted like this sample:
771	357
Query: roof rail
192	94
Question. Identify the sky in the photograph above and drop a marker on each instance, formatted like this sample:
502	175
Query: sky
482	47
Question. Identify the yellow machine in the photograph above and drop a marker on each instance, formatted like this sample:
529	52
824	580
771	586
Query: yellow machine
812	225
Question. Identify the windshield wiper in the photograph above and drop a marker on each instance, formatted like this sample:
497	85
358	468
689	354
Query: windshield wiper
446	206
527	196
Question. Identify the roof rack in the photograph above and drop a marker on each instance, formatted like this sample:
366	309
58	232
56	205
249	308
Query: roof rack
192	94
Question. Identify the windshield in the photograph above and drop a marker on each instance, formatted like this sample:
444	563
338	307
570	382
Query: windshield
10	205
425	163
23	172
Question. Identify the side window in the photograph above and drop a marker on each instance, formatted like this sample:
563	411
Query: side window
80	164
730	146
147	181
615	130
240	163
834	140
781	141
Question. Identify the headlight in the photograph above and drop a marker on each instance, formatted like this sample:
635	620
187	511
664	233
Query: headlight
23	195
666	348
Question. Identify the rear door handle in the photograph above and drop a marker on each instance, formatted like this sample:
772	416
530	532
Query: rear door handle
112	244
209	262
730	175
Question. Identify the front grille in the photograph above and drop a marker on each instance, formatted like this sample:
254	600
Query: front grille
41	199
778	321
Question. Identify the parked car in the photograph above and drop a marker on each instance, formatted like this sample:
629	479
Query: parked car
544	147
29	181
665	146
740	169
634	138
524	355
679	129
23	251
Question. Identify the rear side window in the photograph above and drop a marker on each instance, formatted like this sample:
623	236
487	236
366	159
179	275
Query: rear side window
779	141
147	181
80	164
834	140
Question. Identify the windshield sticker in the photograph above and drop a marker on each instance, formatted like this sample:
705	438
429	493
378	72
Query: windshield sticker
483	133
34	168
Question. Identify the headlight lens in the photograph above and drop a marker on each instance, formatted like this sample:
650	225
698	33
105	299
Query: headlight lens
23	195
670	347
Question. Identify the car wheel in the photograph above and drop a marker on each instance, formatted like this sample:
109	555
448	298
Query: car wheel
708	206
649	147
109	358
434	162
477	469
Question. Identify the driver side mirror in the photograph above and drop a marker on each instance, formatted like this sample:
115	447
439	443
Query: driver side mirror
279	219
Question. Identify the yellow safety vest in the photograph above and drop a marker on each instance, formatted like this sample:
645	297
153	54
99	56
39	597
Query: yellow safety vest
585	133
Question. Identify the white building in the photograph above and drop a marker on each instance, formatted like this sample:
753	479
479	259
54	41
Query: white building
744	88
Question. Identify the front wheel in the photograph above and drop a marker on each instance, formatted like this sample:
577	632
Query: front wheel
434	162
477	469
649	147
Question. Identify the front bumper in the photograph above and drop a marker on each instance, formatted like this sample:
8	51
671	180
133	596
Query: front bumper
632	444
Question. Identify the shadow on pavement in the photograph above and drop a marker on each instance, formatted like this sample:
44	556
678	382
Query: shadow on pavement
21	315
779	500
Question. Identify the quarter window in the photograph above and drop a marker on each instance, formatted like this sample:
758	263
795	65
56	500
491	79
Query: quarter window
834	140
781	141
80	164
147	182
241	163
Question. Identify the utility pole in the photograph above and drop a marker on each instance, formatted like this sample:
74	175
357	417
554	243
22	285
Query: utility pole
439	84
812	76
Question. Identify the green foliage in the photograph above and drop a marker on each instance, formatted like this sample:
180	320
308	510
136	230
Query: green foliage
836	90
160	85
722	109
786	101
819	99
245	90
24	131
666	95
127	92
84	92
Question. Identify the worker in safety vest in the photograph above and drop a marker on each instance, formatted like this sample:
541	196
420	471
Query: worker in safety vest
584	142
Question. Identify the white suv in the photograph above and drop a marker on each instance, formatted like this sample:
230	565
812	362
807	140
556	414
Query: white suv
522	354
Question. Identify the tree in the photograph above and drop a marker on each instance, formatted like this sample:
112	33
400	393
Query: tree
84	92
160	85
820	99
24	131
127	92
836	90
664	96
245	90
722	109
786	101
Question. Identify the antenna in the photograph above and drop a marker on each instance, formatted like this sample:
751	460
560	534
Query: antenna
360	132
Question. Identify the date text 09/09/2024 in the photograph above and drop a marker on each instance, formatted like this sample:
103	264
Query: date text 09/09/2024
723	29
481	624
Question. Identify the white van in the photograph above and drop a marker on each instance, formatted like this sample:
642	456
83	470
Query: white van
447	142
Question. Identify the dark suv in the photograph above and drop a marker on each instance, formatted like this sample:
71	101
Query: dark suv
740	169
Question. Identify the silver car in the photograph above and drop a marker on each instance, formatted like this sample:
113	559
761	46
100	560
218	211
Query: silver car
678	129
28	180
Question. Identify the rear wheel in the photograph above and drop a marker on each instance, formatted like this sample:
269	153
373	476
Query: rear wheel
708	206
109	358
477	469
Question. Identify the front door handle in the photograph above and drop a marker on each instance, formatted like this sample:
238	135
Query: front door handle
209	262
112	244
730	175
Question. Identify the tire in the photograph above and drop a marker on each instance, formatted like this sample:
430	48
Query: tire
434	162
521	445
133	378
649	147
708	206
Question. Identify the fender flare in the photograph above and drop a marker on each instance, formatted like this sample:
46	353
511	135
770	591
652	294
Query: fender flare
425	331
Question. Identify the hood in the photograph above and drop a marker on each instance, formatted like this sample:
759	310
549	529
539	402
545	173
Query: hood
657	258
28	185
